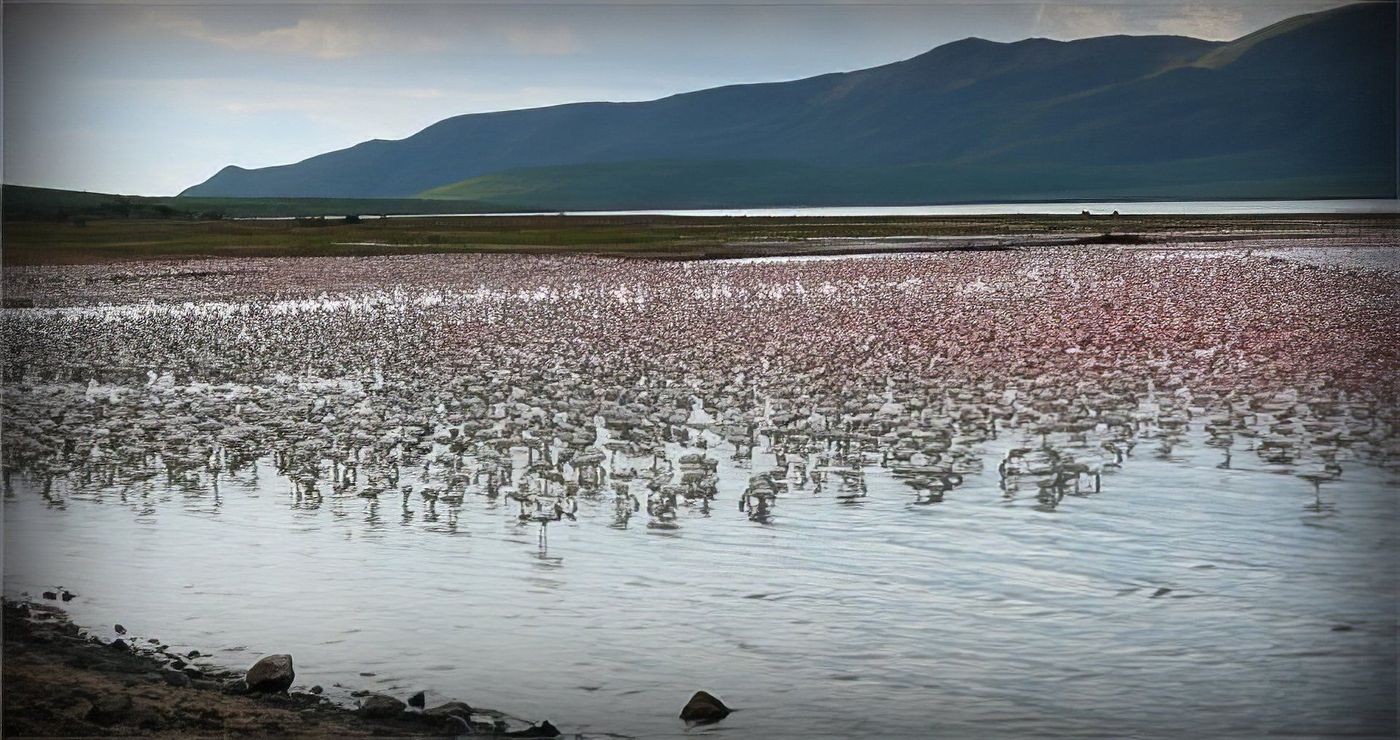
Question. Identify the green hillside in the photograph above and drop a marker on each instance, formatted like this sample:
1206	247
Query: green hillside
1304	108
19	202
735	184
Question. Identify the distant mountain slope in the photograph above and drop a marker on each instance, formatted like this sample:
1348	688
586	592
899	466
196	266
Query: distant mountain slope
22	203
1305	107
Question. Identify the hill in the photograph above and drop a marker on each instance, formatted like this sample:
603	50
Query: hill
1304	108
24	203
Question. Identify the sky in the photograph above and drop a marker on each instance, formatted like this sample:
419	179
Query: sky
151	98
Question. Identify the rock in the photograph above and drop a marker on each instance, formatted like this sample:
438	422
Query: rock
543	729
272	674
50	595
193	654
119	644
450	709
317	690
120	629
379	706
1342	628
175	678
67	596
704	707
417	700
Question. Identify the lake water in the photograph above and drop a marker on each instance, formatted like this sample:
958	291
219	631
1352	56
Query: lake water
1127	208
1178	525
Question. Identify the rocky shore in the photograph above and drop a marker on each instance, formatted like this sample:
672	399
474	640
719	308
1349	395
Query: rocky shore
59	681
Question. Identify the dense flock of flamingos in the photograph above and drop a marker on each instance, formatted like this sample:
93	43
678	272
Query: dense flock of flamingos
649	390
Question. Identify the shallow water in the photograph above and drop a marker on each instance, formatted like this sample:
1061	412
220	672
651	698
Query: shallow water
1234	574
985	614
1127	208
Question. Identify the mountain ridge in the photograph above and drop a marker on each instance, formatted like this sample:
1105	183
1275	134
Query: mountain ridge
1303	100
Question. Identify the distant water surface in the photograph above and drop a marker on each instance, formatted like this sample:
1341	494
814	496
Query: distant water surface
1127	208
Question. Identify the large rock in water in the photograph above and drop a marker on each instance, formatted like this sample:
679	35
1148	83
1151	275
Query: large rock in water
704	707
271	674
451	708
379	706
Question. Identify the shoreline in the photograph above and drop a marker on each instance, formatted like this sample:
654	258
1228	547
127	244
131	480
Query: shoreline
667	238
62	681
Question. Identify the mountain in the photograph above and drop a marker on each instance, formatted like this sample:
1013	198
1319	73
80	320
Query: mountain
24	203
1303	108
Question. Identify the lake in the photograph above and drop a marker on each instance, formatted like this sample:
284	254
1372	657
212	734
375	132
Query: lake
1053	492
1069	208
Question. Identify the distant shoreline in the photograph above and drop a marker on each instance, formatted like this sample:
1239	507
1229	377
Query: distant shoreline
27	203
658	237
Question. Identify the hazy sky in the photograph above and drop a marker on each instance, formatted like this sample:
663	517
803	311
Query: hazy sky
152	98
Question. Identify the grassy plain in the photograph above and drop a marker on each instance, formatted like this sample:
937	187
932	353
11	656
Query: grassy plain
654	237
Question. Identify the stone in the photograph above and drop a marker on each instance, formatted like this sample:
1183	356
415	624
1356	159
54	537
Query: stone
317	690
450	709
119	644
379	706
417	700
272	674
176	678
704	707
543	729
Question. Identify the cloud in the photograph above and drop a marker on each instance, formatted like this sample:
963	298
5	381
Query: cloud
341	34
353	32
1204	22
317	37
538	41
1064	21
1058	21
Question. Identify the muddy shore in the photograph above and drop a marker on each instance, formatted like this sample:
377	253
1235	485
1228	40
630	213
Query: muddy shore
59	681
